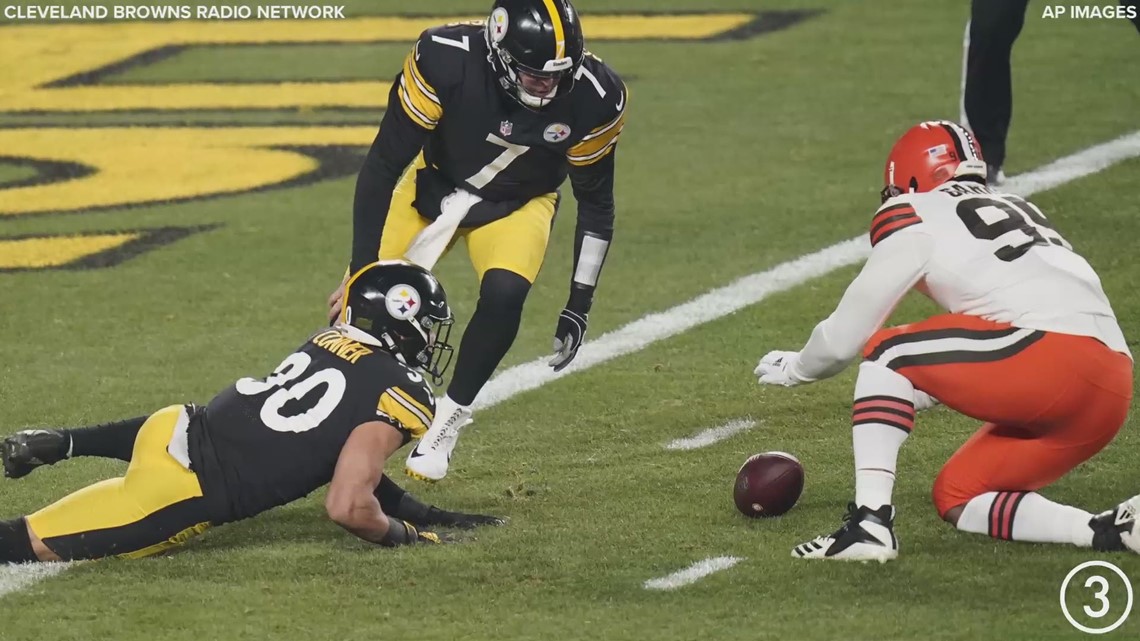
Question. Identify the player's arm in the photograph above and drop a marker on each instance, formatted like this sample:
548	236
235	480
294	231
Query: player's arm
414	110
351	501
592	165
896	264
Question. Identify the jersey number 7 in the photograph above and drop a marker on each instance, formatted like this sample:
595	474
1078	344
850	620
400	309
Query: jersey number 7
991	217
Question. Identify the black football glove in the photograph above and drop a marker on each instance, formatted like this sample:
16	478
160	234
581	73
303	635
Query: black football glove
443	518
401	532
568	337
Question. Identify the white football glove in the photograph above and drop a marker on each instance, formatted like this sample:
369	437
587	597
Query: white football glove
775	369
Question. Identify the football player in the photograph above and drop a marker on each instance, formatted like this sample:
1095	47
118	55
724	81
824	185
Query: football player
485	121
332	412
1030	346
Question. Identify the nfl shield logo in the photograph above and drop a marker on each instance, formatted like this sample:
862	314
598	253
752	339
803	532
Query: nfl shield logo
506	127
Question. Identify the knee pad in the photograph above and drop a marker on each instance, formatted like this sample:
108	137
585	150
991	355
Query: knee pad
503	290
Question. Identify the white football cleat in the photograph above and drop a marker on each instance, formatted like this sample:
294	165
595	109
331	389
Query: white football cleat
867	535
428	461
1118	529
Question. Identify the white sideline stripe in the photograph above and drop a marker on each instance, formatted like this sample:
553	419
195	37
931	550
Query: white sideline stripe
754	288
704	438
693	573
15	577
708	307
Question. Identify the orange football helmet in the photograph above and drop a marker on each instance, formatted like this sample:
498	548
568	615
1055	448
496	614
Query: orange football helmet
929	154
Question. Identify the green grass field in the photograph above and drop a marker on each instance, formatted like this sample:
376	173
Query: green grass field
738	155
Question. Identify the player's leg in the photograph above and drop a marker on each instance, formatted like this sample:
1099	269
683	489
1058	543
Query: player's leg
399	226
1133	9
26	450
967	497
882	419
158	505
507	255
988	93
988	486
965	362
402	222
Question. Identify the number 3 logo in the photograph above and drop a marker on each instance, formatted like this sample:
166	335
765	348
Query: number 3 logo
288	371
1099	582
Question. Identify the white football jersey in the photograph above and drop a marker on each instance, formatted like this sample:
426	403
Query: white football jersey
973	251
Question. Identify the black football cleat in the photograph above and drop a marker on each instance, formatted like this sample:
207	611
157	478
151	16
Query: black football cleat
24	451
1118	529
866	535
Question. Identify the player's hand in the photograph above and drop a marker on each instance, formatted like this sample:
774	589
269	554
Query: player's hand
775	368
568	337
461	520
336	300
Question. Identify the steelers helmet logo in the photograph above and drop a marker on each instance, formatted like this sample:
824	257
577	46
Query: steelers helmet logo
402	301
498	24
556	132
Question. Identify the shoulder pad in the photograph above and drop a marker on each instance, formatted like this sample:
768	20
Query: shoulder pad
603	97
435	64
408	405
895	215
599	87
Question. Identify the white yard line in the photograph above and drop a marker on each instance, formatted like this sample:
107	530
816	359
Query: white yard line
693	573
705	438
754	288
707	307
18	577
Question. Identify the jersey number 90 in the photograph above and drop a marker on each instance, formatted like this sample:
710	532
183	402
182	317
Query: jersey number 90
291	384
1013	214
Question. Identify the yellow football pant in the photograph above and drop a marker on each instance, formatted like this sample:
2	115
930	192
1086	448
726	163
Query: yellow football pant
157	506
516	243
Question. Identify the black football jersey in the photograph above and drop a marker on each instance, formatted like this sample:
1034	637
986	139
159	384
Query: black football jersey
487	143
265	442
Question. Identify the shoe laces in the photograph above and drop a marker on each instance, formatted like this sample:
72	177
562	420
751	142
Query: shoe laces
1127	511
449	432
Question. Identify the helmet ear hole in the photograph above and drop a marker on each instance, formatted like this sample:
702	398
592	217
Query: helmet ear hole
943	173
913	184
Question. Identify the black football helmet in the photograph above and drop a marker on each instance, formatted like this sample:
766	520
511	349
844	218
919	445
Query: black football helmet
541	38
405	309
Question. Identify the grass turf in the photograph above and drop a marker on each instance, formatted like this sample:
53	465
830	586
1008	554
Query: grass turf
738	155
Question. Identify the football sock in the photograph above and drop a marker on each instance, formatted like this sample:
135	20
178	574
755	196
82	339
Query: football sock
881	419
15	544
490	333
110	440
1026	516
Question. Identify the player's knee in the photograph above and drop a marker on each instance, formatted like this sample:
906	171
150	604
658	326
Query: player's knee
947	499
503	291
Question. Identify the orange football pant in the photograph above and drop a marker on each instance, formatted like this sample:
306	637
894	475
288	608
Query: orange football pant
1050	401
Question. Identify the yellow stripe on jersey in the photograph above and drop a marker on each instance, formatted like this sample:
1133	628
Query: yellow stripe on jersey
417	96
428	412
407	416
559	31
596	144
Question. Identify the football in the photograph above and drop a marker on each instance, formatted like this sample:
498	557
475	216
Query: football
768	484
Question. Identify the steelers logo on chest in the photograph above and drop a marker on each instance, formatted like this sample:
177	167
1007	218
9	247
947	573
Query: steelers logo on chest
402	302
556	133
